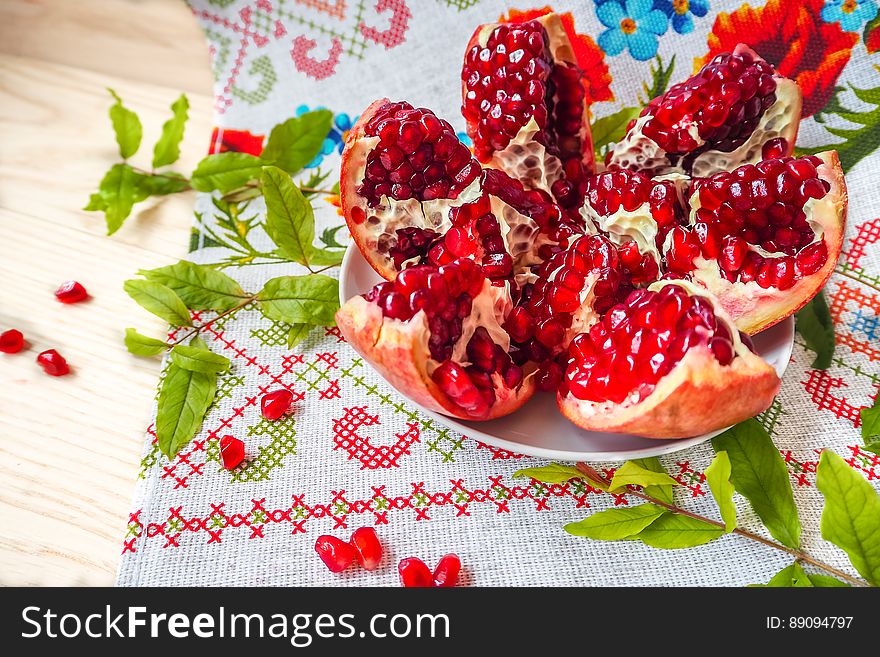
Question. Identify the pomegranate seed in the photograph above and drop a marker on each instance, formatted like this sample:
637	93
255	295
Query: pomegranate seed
367	546
53	363
231	451
415	573
11	341
336	554
71	292
447	570
275	404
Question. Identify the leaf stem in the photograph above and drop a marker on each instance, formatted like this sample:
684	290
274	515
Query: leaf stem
177	177
313	190
225	313
590	473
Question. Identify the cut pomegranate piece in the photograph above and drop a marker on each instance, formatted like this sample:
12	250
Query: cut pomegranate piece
434	333
336	554
11	341
71	292
415	573
231	452
447	571
524	103
53	363
367	546
726	115
412	193
668	362
275	404
764	238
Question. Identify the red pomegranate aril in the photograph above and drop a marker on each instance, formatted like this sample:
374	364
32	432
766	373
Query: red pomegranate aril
71	292
275	404
231	452
774	148
811	258
548	376
367	546
414	573
519	325
336	554
447	571
11	341
53	363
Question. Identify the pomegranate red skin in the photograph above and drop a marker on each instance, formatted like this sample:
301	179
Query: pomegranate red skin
399	352
11	341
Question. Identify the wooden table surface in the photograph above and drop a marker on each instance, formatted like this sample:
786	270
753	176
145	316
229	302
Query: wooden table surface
70	446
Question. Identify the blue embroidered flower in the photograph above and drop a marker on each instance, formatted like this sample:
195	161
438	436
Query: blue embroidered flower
335	139
851	14
635	25
679	12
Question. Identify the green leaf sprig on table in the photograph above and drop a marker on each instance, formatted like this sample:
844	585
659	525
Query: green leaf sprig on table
746	462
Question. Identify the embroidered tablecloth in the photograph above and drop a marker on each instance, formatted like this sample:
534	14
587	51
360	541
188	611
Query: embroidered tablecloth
354	452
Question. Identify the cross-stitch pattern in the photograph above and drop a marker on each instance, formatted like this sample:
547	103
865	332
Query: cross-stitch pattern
352	451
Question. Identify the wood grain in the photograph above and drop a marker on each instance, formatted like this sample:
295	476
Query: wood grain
70	446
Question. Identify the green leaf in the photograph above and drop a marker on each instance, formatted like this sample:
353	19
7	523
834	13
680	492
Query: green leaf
790	576
290	221
611	129
198	358
326	258
328	237
160	300
297	333
167	149
660	78
126	126
142	345
758	473
311	299
95	204
296	142
718	478
553	473
662	492
813	323
199	286
226	171
161	184
851	517
616	524
825	581
633	474
673	531
184	399
119	192
870	417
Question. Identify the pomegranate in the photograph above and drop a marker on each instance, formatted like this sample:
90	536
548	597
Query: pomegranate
763	238
369	549
231	452
412	193
11	341
336	554
735	110
667	362
275	404
434	333
71	292
415	573
53	363
523	101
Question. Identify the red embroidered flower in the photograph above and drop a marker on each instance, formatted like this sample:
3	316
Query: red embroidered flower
793	37
595	77
238	141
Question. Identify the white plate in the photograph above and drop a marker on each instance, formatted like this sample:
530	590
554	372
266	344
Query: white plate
538	428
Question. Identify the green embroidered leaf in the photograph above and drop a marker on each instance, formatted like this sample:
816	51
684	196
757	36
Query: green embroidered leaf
198	358
313	183
142	345
758	473
119	192
184	399
199	286
326	258
662	492
297	141
297	333
633	474
790	576
616	524
673	531
290	220
660	78
611	129
870	417
160	300
813	323
718	479
126	126
553	473
226	171
312	299
328	237
161	184
851	517
167	149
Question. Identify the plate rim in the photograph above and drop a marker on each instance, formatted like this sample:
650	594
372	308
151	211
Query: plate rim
352	252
